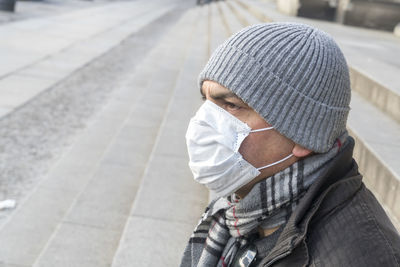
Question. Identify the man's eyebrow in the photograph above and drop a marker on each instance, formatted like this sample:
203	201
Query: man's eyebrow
223	95
220	95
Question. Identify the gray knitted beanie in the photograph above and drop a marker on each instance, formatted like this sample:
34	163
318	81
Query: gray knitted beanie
293	75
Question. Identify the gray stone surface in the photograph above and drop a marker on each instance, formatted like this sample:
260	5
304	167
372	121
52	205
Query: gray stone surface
34	136
169	202
80	245
48	8
16	90
99	28
104	202
89	192
4	111
234	22
247	17
2	264
152	242
377	140
218	30
107	198
24	236
168	192
381	95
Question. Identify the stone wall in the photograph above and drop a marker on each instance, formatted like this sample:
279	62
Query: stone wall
317	9
288	7
377	15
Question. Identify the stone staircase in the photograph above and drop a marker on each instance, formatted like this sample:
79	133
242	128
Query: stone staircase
122	195
168	202
41	52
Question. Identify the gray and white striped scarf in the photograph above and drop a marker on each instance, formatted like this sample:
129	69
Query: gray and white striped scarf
227	222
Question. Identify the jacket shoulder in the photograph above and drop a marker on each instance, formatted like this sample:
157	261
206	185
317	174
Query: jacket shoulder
357	232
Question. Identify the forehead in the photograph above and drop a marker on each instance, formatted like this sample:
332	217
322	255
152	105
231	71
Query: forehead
212	87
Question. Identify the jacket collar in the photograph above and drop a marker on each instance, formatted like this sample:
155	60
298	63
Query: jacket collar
315	204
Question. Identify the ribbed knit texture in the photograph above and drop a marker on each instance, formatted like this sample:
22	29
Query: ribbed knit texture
293	75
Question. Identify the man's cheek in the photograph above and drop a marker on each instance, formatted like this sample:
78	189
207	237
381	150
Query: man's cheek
248	149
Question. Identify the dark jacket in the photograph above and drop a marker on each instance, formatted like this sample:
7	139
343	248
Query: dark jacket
337	223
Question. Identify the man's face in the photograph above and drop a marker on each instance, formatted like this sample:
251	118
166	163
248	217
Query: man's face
259	148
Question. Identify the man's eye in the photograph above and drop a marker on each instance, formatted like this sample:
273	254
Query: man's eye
231	106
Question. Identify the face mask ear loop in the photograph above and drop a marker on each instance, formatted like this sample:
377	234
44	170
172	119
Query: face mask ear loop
262	129
272	164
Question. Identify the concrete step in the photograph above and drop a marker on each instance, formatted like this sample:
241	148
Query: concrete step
377	139
245	17
254	10
376	132
217	27
48	124
233	22
76	215
59	46
99	213
169	203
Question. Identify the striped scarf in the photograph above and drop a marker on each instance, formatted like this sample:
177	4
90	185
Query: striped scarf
227	222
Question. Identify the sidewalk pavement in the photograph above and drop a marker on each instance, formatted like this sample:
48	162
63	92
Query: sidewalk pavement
123	193
40	52
31	9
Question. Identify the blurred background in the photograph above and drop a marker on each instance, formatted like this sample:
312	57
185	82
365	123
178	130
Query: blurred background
373	14
95	98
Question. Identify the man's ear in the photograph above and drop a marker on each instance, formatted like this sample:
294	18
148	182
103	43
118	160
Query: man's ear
300	152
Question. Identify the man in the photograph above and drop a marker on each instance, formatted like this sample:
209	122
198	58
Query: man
270	142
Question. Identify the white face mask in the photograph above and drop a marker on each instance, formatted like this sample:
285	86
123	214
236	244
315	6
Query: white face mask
213	139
